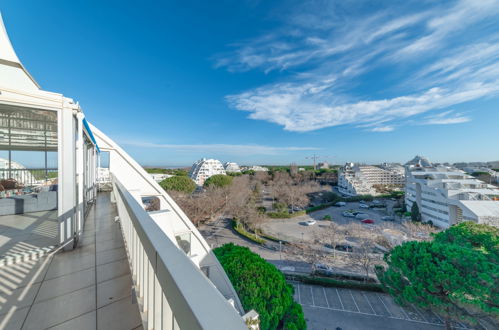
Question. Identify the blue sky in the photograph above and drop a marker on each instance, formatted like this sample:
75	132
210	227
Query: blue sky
273	82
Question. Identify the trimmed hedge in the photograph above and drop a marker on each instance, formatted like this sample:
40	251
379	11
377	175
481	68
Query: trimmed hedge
285	215
243	232
272	238
319	207
330	282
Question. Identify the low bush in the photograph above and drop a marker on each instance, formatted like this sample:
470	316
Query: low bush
343	277
285	214
272	238
318	207
280	207
239	228
330	282
279	215
326	217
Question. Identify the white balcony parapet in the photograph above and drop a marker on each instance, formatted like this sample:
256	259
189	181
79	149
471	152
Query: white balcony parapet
172	291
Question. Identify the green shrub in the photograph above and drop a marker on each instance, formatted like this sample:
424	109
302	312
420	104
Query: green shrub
218	180
279	215
326	217
330	282
179	183
234	173
280	207
260	286
285	214
272	238
319	207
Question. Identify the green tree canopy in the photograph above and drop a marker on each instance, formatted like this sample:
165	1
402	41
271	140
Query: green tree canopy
178	183
415	214
473	235
455	282
218	180
262	287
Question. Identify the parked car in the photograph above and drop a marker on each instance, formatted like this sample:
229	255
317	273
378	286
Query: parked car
361	216
388	218
310	222
348	214
344	247
322	267
363	206
340	204
367	221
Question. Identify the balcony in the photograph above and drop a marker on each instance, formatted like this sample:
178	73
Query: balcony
89	287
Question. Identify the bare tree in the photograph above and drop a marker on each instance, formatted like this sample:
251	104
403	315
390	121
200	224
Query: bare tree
363	256
333	236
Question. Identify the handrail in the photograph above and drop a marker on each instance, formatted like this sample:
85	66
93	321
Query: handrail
170	218
172	291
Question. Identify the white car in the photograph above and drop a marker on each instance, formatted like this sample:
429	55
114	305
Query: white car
363	206
310	222
348	214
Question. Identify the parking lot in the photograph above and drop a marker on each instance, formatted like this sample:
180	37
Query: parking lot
295	229
329	308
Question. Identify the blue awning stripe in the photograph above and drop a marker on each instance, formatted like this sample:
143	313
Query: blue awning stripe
89	131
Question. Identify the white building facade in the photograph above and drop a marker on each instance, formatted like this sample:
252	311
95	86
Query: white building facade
231	167
205	168
447	196
355	179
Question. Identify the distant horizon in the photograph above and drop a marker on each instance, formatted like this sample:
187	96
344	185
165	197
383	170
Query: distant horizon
330	164
273	81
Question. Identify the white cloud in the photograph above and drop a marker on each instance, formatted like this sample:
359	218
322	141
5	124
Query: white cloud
446	118
231	149
383	129
293	107
330	59
455	19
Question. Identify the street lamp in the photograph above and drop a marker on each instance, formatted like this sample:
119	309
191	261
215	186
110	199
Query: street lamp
302	237
280	249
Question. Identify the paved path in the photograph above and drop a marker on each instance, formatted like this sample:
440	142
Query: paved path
86	288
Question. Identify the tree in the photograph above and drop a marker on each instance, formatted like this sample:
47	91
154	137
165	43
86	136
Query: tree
415	214
260	286
294	318
363	256
332	235
178	183
455	282
472	235
218	180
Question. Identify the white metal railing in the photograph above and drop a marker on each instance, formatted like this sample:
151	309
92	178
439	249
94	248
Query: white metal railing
172	292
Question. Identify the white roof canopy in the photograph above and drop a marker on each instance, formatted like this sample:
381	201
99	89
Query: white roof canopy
12	72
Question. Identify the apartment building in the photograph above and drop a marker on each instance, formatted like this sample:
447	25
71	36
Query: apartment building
446	195
355	179
231	167
202	169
